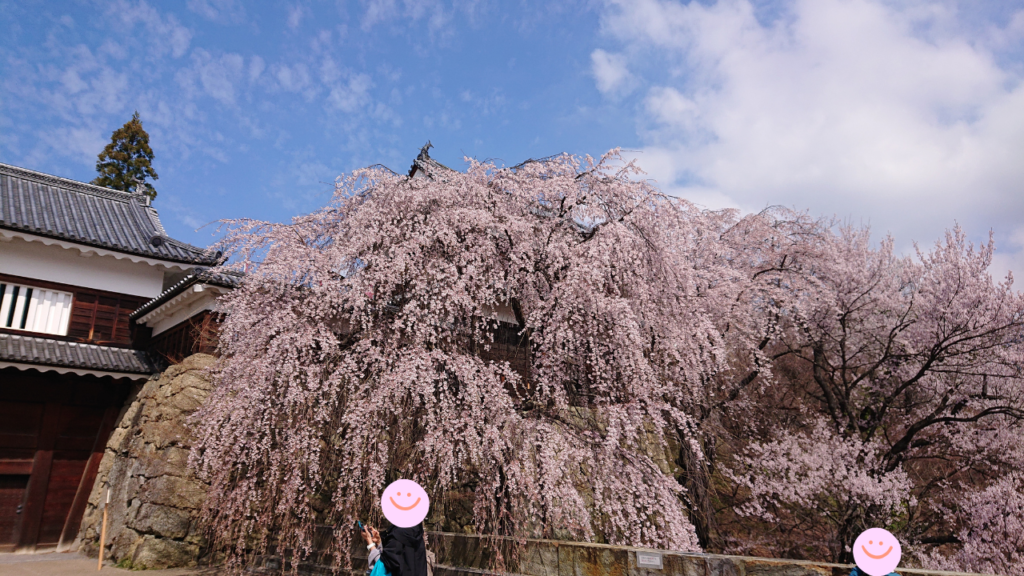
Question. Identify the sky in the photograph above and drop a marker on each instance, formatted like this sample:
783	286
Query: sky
907	116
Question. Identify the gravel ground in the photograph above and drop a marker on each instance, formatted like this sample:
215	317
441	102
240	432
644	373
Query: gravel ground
74	564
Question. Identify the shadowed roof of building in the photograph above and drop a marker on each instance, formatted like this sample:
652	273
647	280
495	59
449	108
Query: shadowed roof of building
48	352
72	211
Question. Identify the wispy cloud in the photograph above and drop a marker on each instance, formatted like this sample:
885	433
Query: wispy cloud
216	76
351	95
163	31
224	11
295	15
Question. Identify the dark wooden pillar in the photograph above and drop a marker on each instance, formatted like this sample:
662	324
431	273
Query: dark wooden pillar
74	519
40	479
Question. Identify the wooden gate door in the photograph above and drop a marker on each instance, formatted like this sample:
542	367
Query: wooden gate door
53	429
19	428
12	501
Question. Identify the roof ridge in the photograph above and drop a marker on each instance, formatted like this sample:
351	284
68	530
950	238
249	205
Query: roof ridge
109	193
154	217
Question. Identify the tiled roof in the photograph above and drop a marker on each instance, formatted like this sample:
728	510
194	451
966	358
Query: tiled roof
56	207
47	352
213	276
431	168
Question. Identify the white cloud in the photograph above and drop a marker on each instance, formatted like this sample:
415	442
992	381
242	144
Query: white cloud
1010	257
165	33
218	10
217	75
431	11
351	96
610	72
293	78
256	67
378	11
295	14
81	143
888	114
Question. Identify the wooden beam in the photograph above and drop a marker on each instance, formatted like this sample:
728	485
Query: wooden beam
74	519
39	481
15	467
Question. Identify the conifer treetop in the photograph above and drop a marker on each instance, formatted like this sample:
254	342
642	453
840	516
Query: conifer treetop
126	162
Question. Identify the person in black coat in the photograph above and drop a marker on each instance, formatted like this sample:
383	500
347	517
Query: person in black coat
403	552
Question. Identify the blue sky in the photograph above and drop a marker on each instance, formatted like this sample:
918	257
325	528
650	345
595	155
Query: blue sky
906	115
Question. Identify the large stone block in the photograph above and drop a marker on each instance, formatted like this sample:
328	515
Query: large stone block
158	553
724	566
151	462
192	380
173	491
187	400
123	543
130	413
117	437
676	565
537	560
566	557
149	389
161	521
165	433
599	561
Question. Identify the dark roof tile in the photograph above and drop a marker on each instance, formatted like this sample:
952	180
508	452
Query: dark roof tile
85	214
48	352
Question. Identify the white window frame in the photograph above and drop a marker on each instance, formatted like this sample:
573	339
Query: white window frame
35	309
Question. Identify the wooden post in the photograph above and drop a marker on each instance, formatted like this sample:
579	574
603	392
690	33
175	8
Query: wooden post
103	531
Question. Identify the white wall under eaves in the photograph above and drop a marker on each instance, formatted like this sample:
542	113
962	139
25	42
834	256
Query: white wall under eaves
56	264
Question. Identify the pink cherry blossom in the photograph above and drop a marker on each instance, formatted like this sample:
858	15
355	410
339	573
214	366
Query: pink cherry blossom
685	378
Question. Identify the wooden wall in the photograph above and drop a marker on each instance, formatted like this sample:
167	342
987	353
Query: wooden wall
52	432
195	335
97	317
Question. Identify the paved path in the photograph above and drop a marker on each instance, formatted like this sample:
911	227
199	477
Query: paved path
73	564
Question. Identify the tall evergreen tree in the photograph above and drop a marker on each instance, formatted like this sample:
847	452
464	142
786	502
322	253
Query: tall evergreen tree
127	161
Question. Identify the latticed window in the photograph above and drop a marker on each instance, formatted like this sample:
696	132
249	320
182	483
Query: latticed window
34	309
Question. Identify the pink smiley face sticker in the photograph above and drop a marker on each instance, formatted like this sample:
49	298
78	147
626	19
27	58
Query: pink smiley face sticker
877	552
405	503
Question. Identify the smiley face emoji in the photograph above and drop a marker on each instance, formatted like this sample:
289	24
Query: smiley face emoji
405	503
877	552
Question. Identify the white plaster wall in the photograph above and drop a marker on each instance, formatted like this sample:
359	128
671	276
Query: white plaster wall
56	264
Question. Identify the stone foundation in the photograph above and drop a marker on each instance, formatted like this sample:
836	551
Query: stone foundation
154	499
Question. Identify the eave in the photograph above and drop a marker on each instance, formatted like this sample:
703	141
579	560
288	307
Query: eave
77	371
85	250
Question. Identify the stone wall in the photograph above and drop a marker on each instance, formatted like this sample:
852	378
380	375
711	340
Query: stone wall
154	499
465	555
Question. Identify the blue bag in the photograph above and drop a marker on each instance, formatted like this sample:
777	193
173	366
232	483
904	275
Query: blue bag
379	569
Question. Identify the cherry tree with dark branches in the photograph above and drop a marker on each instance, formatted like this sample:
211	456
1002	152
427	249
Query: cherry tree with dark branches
355	353
898	390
